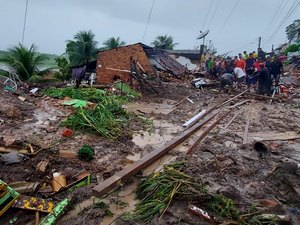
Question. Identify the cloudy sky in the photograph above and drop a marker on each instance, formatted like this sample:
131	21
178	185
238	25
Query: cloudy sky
234	25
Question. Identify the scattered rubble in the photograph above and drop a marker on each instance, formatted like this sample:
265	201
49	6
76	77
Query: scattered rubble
241	162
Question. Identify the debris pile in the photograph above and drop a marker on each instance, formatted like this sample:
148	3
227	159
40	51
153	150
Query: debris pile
199	156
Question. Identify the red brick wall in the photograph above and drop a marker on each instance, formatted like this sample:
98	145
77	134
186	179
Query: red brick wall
119	58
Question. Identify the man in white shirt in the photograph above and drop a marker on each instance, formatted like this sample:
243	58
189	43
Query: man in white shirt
240	74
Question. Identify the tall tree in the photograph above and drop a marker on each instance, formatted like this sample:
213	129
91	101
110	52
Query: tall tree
23	61
113	43
83	48
164	42
293	29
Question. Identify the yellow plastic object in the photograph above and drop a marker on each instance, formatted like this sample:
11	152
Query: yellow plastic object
32	203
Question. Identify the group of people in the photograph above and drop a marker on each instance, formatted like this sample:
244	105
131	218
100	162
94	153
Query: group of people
254	69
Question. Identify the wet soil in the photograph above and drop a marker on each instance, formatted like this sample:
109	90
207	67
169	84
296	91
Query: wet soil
221	160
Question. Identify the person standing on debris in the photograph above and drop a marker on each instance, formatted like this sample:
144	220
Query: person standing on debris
206	64
255	56
241	62
261	54
251	77
276	70
264	80
245	55
212	68
226	80
256	65
203	59
240	75
268	64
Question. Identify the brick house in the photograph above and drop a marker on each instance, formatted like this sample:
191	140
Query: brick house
115	63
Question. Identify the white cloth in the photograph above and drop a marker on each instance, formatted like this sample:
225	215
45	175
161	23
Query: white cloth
239	72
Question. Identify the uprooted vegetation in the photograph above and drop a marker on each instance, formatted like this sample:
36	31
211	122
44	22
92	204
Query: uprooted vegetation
107	117
157	192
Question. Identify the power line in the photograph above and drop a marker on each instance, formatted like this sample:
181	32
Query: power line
25	18
148	20
228	17
286	17
274	18
214	13
208	12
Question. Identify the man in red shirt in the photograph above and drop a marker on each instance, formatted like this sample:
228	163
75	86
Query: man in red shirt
240	63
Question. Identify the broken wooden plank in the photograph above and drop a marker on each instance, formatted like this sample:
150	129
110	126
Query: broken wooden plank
194	119
246	133
42	166
271	136
272	96
231	120
24	187
181	101
240	103
206	132
114	181
67	154
259	96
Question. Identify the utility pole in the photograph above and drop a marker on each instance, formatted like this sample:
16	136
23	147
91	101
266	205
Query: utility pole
24	26
259	42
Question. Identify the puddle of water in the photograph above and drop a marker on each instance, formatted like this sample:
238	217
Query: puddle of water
158	164
126	196
77	209
163	132
144	107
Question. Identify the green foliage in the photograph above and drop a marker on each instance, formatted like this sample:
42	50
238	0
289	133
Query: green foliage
35	79
104	206
164	42
224	207
86	153
83	48
23	61
106	119
64	70
113	43
293	48
127	89
159	189
88	94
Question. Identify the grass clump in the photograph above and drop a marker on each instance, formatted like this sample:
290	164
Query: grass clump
104	206
86	153
88	94
157	191
107	119
124	88
224	207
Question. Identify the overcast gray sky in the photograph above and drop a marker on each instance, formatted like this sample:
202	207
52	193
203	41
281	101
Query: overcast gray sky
51	22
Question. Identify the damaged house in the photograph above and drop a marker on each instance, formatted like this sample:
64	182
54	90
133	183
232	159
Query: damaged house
117	63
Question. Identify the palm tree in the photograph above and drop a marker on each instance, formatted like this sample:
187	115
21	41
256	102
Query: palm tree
83	48
164	42
23	61
113	43
293	29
